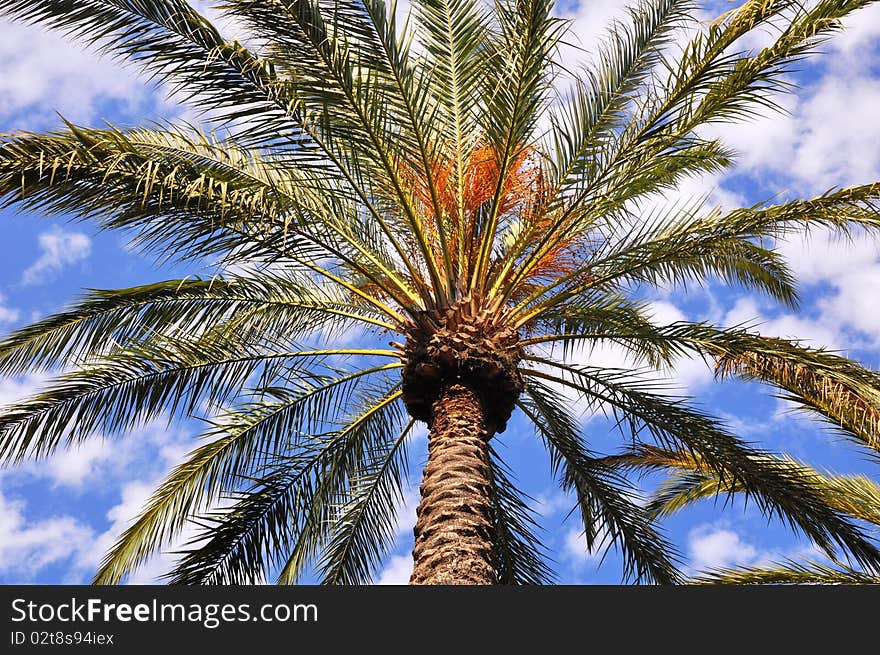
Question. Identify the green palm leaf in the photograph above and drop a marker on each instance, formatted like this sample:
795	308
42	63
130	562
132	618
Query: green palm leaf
789	572
293	505
671	422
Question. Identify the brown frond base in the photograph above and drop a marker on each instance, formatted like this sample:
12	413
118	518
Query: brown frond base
461	345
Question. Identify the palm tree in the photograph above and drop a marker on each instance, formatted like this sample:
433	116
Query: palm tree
426	179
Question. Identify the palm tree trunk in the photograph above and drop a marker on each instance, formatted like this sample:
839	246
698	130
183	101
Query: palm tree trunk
454	530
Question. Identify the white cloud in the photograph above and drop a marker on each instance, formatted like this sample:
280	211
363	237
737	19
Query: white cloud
712	547
575	547
42	72
813	332
134	464
663	312
58	249
398	568
829	132
840	276
860	37
406	511
148	452
687	374
590	23
826	137
26	546
838	133
7	314
71	467
134	497
552	502
820	255
397	571
19	388
156	452
850	271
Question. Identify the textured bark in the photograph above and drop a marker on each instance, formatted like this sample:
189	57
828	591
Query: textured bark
454	529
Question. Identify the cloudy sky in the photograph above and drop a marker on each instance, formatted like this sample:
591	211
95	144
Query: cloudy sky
58	516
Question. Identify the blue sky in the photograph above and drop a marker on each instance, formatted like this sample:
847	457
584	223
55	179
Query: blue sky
59	515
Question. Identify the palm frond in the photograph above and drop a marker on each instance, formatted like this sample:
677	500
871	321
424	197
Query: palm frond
286	515
672	423
108	175
714	243
519	70
242	442
606	500
353	96
520	556
788	572
597	318
365	526
175	44
837	389
108	319
691	480
130	387
188	197
429	180
596	107
752	80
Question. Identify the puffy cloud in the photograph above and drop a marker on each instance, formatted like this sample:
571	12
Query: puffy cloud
839	276
27	547
589	24
687	374
712	547
19	388
552	502
575	547
814	332
827	137
134	467
849	272
827	133
397	571
72	467
134	496
398	567
58	249
148	451
42	72
406	511
859	41
821	256
7	314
